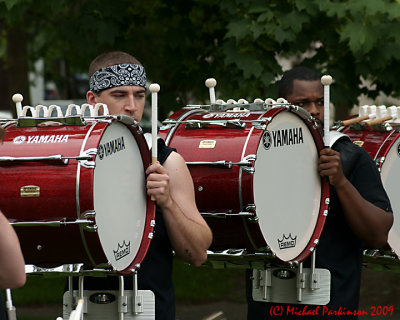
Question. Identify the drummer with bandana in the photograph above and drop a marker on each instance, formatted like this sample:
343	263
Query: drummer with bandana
119	80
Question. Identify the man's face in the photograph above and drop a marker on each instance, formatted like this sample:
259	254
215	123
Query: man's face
308	95
127	100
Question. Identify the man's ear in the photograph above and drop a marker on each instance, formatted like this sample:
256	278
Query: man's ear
91	97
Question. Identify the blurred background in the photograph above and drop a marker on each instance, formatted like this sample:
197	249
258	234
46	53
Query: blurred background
47	45
246	45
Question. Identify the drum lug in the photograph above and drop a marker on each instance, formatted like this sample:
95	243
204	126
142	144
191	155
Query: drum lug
168	124
251	208
261	124
248	163
92	228
127	120
253	219
249	170
89	164
91	215
379	161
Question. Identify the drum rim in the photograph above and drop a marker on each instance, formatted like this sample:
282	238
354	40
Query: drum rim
150	205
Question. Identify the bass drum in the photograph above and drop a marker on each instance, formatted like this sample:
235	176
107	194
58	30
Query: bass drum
76	193
255	177
384	148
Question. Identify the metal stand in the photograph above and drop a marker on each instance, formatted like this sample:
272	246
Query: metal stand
292	285
111	305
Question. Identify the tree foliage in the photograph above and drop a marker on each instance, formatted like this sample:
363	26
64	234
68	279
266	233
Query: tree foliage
346	39
181	43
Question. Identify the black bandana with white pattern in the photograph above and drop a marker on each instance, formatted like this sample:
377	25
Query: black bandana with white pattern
117	76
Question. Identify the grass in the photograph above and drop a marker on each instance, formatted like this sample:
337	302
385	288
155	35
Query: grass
203	284
39	291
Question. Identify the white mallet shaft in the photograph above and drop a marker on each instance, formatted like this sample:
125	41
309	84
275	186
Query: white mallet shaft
77	313
326	82
210	84
154	89
17	99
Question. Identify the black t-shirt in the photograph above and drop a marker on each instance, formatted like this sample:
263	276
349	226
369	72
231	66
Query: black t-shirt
339	250
155	272
3	313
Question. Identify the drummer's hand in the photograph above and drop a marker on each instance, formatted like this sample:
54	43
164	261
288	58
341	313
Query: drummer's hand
330	165
158	184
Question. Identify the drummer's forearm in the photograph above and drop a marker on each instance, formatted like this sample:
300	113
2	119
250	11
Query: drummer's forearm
369	222
192	246
12	265
190	238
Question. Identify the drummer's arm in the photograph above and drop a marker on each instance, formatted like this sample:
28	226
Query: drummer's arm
369	222
12	264
189	234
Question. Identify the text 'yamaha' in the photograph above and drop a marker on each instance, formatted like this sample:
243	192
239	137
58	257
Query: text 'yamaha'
111	147
283	137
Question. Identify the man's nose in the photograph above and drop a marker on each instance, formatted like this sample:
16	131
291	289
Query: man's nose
130	103
313	109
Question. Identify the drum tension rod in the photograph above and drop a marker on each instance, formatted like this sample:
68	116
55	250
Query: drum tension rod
55	223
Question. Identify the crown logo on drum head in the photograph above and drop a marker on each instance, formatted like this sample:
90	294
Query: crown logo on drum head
287	242
122	250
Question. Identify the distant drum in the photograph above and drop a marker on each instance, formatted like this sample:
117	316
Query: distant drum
384	148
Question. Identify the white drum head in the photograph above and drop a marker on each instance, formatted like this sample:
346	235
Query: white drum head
287	186
119	195
390	173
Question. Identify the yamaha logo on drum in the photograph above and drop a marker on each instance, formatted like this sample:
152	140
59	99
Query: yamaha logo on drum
267	140
111	147
287	242
122	250
229	115
55	138
283	137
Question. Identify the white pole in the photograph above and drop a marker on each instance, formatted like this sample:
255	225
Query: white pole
210	84
326	82
17	99
154	89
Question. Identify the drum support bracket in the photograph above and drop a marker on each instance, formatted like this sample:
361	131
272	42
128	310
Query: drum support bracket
301	282
137	300
314	277
288	285
266	284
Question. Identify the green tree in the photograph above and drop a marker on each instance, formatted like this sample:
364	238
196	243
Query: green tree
181	43
346	39
177	41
